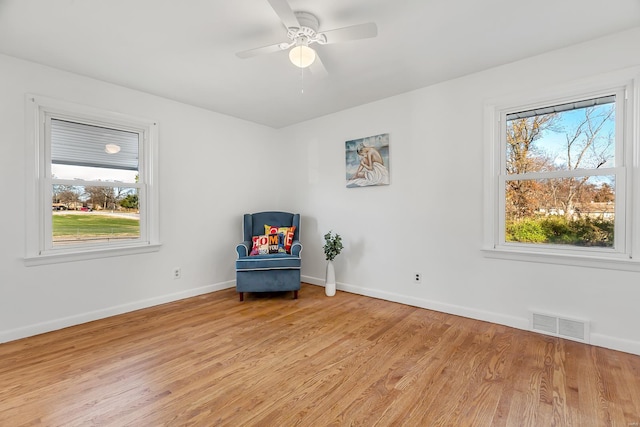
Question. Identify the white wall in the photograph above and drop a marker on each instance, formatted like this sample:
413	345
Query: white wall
430	219
206	181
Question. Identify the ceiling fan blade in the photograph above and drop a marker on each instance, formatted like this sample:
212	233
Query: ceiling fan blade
283	10
354	32
259	51
317	68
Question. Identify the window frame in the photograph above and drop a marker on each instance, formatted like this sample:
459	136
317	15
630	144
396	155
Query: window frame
39	246
626	88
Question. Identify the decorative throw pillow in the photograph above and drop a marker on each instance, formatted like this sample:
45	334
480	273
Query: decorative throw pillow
287	235
274	240
260	245
288	239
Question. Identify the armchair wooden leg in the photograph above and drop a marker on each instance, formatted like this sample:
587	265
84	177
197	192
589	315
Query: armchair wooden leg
241	296
295	294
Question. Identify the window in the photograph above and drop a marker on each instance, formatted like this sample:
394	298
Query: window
93	191
559	178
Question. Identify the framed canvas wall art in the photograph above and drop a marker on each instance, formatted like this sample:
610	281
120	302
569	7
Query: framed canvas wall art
367	161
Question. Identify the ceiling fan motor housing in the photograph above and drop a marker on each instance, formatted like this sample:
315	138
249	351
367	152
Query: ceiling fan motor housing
308	27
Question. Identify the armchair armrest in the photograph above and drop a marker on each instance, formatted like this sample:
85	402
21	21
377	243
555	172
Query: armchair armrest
242	249
296	248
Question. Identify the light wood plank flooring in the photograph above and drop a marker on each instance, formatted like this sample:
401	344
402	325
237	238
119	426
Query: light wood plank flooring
316	361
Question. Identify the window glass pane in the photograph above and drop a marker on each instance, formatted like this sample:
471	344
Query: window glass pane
568	211
564	139
93	174
94	214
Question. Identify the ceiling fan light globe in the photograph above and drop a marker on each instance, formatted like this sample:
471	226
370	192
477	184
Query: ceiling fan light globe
302	56
111	148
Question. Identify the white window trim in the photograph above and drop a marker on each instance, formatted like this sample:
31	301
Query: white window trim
38	209
627	257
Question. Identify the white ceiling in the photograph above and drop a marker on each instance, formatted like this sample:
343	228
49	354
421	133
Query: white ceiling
185	49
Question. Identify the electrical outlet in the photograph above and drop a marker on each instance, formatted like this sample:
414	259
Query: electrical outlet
177	273
417	278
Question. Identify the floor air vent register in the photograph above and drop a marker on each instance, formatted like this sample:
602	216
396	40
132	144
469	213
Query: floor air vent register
562	327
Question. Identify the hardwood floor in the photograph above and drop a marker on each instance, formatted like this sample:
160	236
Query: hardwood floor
274	361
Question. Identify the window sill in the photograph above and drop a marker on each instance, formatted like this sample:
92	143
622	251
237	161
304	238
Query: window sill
86	254
591	261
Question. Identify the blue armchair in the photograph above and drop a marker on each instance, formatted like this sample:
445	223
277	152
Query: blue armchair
268	272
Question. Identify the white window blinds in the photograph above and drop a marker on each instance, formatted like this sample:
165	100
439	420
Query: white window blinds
80	144
562	107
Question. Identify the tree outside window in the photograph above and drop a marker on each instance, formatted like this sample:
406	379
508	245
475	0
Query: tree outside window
560	178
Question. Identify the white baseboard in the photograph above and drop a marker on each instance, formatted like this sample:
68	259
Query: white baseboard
457	310
313	280
52	325
613	343
599	340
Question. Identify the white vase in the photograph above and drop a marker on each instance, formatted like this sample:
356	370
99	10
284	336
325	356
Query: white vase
330	281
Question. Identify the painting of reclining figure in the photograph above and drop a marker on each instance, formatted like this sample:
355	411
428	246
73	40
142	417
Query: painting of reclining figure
367	161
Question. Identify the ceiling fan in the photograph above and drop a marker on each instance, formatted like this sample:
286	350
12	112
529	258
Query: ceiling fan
302	31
